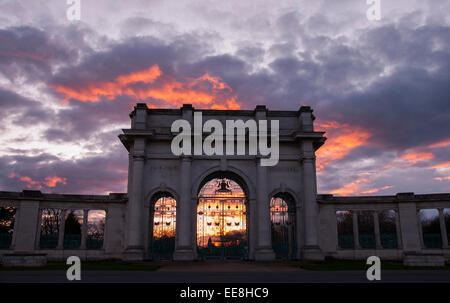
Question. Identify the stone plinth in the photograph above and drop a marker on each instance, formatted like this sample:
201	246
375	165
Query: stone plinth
24	260
413	259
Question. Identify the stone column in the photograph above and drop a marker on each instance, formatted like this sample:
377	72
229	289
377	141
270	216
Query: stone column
26	226
252	227
38	230
355	229
409	227
328	228
443	228
114	231
419	226
299	231
16	227
376	224
184	250
62	226
311	249
264	249
135	246
84	229
397	230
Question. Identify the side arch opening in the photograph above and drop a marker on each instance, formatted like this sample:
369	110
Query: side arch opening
163	227
283	226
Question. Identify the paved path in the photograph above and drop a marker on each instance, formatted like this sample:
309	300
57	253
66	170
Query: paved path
227	266
228	272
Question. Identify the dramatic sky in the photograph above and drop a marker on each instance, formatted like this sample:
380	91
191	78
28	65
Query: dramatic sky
380	89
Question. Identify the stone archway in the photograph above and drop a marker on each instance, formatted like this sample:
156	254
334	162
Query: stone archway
151	162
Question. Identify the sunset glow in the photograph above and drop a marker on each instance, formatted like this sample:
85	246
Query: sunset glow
204	91
342	139
413	158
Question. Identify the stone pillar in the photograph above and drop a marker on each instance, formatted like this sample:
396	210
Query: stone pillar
419	227
184	250
38	230
252	226
114	230
264	249
62	226
135	240
84	229
443	228
26	226
410	235
355	229
397	230
328	228
376	224
299	230
311	249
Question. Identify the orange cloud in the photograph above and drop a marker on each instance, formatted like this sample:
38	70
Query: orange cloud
413	158
205	91
442	178
52	181
30	182
442	165
350	188
36	184
93	91
440	144
357	186
375	190
145	76
342	139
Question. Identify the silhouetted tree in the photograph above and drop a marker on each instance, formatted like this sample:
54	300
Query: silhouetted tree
73	226
344	222
50	221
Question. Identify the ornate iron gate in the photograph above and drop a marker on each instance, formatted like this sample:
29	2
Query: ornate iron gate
222	221
164	227
282	217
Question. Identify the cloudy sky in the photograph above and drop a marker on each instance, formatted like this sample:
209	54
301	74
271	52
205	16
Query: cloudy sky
380	89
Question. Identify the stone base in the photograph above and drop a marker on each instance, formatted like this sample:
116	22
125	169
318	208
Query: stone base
183	255
415	259
24	260
264	255
133	255
312	253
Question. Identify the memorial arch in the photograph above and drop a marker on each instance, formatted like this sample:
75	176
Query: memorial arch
239	180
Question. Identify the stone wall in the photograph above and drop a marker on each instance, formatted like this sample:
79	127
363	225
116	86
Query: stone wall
408	227
27	226
30	204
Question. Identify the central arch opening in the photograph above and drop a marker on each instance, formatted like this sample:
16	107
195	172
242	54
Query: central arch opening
222	219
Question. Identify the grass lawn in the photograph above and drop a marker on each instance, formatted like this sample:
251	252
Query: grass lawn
333	264
92	265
